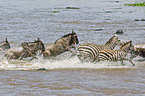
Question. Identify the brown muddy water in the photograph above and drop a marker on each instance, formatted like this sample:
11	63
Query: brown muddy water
94	21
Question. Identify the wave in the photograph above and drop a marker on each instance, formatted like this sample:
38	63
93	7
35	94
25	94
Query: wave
57	63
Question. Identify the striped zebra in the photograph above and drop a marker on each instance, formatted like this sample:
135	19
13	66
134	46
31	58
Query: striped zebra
116	55
87	52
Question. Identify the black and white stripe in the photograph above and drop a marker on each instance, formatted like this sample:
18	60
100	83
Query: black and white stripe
87	52
116	55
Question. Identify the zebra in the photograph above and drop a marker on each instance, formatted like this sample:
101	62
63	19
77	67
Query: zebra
87	52
116	55
61	45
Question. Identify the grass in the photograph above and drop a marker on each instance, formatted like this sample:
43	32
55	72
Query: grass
137	4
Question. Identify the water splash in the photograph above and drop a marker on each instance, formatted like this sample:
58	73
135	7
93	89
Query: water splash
55	64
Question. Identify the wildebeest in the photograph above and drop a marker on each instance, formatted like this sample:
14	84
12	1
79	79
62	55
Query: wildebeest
61	45
4	45
137	52
27	49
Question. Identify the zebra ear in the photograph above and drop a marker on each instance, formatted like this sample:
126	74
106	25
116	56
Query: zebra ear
6	39
130	41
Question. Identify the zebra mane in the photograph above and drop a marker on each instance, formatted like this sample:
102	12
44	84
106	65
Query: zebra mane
110	40
125	44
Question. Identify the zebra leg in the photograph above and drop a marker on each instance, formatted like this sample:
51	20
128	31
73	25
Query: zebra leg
129	61
133	55
122	62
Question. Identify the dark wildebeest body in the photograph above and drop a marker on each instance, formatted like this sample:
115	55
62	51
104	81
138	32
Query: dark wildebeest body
61	45
137	52
25	50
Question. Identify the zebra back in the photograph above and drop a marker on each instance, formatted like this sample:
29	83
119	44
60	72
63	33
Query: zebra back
89	51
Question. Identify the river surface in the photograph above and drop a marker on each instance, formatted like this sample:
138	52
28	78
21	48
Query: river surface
95	21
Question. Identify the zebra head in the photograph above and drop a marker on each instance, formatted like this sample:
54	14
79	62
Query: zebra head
117	40
127	46
74	38
5	45
131	45
113	41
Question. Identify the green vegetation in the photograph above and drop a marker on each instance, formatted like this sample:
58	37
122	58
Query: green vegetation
137	4
55	11
72	8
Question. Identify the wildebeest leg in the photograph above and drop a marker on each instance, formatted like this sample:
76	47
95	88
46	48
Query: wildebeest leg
69	49
27	53
74	49
24	54
34	57
46	54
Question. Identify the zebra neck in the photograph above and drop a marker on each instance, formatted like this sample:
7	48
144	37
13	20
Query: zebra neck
111	45
126	49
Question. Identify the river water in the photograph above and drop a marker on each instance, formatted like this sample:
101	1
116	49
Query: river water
95	21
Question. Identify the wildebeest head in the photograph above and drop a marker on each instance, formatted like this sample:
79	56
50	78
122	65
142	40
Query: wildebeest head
74	38
40	45
5	45
36	45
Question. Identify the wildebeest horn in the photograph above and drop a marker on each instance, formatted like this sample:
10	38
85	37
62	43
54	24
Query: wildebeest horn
38	39
72	30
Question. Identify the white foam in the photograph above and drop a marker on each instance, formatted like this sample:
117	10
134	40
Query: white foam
55	64
142	45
